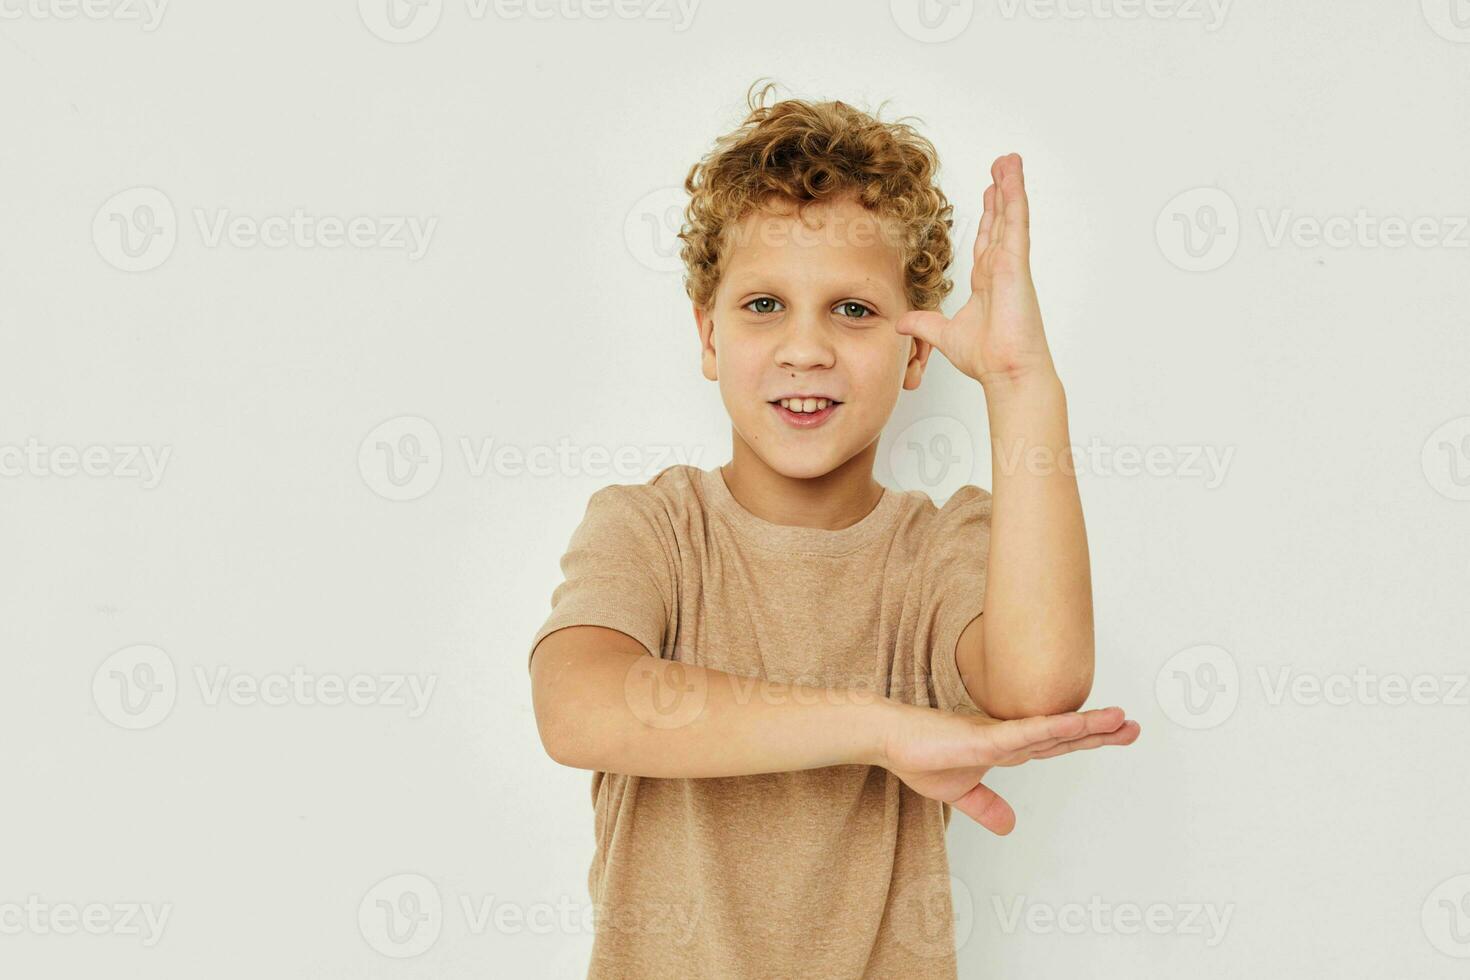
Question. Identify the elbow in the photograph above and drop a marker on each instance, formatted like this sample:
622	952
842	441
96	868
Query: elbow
1061	702
572	737
1065	695
1057	696
553	742
562	749
556	738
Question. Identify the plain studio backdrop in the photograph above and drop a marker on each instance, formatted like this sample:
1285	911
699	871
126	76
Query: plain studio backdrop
321	322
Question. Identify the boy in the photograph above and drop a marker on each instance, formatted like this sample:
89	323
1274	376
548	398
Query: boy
778	669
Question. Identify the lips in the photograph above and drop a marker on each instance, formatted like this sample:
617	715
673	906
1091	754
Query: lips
805	420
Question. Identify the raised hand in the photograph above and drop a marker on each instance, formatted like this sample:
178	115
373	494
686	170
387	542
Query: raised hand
943	755
997	336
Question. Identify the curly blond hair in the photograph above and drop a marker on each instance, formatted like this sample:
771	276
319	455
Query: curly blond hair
802	152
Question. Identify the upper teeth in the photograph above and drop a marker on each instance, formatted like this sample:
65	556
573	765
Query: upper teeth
805	404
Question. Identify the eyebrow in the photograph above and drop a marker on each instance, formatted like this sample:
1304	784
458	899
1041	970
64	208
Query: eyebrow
750	280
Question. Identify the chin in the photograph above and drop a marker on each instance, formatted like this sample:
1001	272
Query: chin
795	467
797	462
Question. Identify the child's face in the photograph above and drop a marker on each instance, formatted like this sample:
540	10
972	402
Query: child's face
810	309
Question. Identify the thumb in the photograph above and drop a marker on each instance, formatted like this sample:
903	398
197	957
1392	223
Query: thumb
927	325
985	806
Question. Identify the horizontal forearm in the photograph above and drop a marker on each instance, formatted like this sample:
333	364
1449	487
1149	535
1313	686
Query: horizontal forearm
1038	604
623	712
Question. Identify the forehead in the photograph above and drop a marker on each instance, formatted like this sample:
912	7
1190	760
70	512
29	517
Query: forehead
837	239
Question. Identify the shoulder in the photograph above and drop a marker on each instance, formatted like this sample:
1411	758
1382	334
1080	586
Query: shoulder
930	536
924	520
663	500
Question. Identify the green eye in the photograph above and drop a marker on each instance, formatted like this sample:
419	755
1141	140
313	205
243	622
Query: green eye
761	299
853	304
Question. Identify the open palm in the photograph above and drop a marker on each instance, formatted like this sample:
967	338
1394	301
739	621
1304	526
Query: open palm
997	336
944	755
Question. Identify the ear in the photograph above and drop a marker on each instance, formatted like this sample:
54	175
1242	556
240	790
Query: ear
918	358
706	325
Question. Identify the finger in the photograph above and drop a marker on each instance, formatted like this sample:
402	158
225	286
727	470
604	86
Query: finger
1127	734
997	176
927	325
982	238
1017	239
1034	751
985	806
1011	737
1026	733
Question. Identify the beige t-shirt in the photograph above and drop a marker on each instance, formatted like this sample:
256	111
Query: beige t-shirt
839	872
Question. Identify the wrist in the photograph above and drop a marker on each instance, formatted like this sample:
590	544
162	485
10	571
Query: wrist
882	717
1021	384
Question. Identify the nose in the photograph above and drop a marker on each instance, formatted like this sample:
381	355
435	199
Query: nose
806	343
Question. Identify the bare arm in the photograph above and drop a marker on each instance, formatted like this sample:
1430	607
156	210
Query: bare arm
1038	636
1031	652
597	708
603	703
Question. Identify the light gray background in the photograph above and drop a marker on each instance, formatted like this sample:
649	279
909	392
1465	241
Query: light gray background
543	313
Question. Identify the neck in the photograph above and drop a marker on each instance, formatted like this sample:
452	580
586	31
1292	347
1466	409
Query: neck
832	501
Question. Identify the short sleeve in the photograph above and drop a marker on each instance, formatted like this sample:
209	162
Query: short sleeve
615	572
955	560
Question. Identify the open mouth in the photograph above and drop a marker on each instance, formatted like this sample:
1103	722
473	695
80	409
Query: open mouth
797	416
